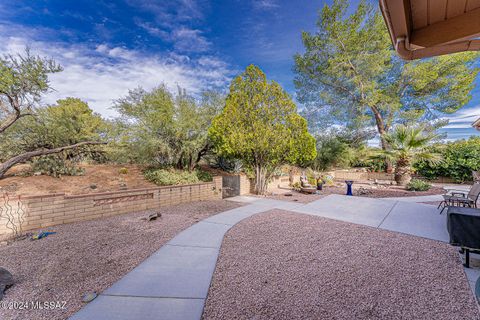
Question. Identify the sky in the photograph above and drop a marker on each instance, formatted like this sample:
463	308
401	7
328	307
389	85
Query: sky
109	47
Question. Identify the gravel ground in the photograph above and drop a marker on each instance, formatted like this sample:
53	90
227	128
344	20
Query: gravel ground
391	191
279	265
90	256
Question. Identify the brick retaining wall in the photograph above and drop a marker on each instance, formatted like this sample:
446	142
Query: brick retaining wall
55	209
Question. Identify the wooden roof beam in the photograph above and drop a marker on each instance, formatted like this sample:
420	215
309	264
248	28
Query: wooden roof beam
465	26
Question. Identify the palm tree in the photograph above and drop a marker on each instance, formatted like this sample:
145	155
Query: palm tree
408	145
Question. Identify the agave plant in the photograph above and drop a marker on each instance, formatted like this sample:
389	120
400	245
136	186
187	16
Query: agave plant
406	146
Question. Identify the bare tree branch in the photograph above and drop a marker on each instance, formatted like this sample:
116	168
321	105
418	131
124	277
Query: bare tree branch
28	155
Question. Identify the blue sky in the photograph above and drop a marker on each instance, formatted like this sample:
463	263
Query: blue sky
108	47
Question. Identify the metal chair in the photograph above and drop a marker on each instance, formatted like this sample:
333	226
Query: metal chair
476	176
459	198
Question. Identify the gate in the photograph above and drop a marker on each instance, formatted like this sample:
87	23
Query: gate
231	186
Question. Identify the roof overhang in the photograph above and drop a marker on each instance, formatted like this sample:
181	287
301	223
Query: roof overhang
476	124
426	28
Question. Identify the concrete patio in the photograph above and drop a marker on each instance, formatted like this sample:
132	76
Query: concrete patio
173	283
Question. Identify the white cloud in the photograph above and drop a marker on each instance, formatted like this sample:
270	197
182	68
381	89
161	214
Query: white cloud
190	40
463	118
172	11
184	39
265	4
153	30
174	22
101	74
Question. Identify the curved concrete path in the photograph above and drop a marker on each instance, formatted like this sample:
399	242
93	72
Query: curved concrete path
173	283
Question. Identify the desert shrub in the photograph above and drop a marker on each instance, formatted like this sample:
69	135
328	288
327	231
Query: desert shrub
418	185
460	158
160	128
123	171
327	180
227	164
204	176
296	186
331	152
56	166
167	177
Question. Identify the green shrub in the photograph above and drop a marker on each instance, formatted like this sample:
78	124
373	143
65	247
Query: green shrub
167	177
296	186
460	158
123	171
204	176
418	185
328	180
56	166
332	152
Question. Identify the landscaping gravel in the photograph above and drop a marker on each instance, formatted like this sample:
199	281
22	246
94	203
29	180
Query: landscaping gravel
279	265
359	190
90	256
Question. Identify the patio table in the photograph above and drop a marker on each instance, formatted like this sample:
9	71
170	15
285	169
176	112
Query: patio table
463	225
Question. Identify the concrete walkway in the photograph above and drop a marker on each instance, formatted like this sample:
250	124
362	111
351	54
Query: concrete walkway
407	217
432	198
173	283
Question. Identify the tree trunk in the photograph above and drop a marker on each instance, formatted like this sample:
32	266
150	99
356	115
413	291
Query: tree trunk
5	166
381	131
180	164
402	173
199	156
260	180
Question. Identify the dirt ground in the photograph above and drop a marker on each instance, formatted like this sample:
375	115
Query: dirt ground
279	265
108	178
97	178
90	256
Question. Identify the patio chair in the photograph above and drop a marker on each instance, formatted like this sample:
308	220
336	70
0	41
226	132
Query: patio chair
460	198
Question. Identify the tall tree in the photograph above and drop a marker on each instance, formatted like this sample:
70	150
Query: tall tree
162	129
350	74
260	125
23	81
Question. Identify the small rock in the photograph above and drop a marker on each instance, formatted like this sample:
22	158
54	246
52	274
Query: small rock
152	216
89	296
288	194
6	281
93	186
37	173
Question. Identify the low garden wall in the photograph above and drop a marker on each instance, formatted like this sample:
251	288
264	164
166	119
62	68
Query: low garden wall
364	176
361	176
55	209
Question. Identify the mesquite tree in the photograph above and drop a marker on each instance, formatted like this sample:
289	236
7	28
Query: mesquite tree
23	81
159	128
260	126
